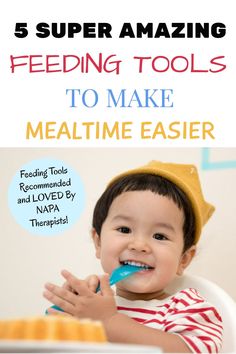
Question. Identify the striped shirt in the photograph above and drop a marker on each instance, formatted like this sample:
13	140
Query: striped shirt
186	314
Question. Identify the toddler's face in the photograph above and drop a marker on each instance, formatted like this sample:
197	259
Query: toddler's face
143	228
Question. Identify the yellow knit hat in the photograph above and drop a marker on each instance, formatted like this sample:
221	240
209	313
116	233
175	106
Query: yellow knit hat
187	179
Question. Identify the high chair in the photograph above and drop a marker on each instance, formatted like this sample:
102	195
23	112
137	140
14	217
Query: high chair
218	297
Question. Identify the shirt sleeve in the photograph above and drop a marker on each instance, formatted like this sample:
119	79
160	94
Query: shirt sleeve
196	321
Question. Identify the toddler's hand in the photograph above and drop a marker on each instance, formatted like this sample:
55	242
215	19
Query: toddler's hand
88	304
92	282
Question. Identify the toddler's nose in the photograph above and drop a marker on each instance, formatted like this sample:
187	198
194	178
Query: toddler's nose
139	245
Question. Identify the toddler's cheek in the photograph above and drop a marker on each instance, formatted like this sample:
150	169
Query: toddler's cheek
109	264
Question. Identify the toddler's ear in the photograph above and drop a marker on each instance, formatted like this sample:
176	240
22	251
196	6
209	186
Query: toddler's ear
97	243
186	259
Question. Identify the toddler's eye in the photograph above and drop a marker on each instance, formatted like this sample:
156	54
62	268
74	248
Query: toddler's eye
124	230
160	237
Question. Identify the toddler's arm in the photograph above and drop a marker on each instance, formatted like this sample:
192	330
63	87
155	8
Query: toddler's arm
101	306
123	329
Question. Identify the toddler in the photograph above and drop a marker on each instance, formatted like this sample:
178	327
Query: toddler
151	216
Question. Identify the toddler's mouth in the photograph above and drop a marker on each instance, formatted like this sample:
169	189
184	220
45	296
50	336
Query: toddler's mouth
143	265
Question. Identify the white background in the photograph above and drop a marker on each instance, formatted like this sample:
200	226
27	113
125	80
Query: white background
41	97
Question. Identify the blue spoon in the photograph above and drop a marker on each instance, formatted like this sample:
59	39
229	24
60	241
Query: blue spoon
117	275
121	273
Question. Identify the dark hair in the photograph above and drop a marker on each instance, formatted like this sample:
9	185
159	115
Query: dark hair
144	182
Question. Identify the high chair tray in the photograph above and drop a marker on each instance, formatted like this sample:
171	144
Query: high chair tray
72	347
